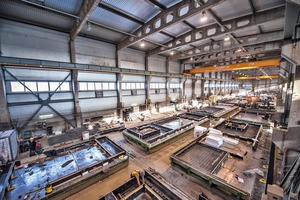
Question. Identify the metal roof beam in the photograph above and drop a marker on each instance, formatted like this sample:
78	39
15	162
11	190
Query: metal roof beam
86	9
238	66
147	29
167	34
121	13
157	4
261	48
225	45
189	25
252	6
232	25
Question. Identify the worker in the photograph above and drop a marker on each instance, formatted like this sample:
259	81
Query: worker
137	174
38	147
32	145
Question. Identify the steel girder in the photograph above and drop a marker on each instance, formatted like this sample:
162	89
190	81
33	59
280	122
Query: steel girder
86	9
232	26
223	45
152	26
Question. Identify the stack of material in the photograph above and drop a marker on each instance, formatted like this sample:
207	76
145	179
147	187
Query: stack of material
215	138
8	145
230	141
199	130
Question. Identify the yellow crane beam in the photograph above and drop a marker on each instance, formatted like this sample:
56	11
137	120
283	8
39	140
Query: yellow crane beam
256	77
238	66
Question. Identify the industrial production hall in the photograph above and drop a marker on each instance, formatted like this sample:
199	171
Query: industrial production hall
150	99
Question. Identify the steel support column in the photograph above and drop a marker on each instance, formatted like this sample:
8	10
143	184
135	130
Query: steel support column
194	88
77	108
120	103
183	87
5	122
168	98
72	51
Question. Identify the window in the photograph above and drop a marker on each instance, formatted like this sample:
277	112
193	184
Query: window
142	85
32	86
123	86
53	85
128	86
43	86
174	85
91	86
65	86
105	86
132	85
36	86
138	86
112	86
16	87
98	86
82	86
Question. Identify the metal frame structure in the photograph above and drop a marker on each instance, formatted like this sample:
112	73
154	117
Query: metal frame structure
160	140
42	102
150	27
155	186
202	175
202	33
74	182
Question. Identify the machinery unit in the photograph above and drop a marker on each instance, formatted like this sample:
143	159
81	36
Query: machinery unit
8	146
154	187
74	168
151	137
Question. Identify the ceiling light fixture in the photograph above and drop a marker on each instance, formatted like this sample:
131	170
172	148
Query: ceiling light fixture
172	52
239	50
204	17
191	59
89	28
227	38
142	44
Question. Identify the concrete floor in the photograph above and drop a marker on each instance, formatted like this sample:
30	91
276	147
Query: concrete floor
158	161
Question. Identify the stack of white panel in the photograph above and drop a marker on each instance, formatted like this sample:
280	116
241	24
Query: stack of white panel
199	130
215	138
230	141
215	132
8	145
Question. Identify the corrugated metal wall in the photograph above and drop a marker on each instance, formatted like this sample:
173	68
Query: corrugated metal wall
21	111
174	95
24	41
157	63
132	59
161	97
94	52
174	67
87	99
128	98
